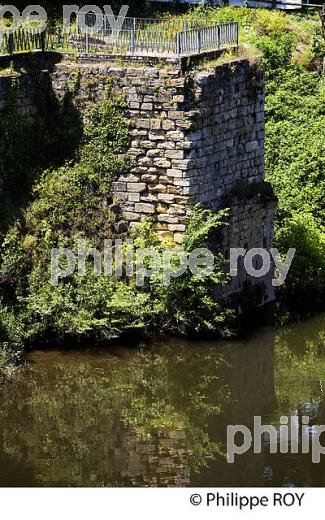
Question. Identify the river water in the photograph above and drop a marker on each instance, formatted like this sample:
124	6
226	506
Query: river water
158	415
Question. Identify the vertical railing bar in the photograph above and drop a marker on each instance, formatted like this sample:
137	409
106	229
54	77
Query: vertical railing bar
133	36
178	44
87	40
11	43
43	40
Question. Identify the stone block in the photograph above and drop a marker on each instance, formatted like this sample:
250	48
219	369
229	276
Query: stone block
174	154
134	197
175	173
177	227
119	186
168	124
145	208
155	124
131	217
166	197
143	123
136	187
162	163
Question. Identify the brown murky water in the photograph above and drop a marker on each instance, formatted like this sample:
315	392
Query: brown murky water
158	416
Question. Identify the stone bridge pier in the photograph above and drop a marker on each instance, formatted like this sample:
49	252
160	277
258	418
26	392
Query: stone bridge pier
197	136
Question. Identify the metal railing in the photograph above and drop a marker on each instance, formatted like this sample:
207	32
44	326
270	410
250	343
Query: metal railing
208	38
25	41
135	36
304	5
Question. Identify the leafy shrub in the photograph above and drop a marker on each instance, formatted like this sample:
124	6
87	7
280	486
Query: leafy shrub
276	50
105	307
302	233
270	21
295	151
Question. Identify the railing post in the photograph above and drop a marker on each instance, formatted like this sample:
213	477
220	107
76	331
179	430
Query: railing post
11	43
87	40
134	36
219	37
43	41
199	35
237	34
59	37
178	43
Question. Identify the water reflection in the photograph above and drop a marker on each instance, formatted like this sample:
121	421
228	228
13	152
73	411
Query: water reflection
300	392
122	418
158	417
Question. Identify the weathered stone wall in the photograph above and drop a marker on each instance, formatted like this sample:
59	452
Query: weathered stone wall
157	185
196	135
24	95
251	226
229	140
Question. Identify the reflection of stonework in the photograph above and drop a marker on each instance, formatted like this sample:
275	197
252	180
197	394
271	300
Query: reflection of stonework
158	461
164	461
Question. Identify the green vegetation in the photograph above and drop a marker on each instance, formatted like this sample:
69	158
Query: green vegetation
295	142
295	151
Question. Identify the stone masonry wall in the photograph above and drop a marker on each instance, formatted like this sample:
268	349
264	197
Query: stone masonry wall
229	139
251	225
196	136
156	185
25	95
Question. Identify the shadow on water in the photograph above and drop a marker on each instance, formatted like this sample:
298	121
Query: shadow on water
158	416
14	473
